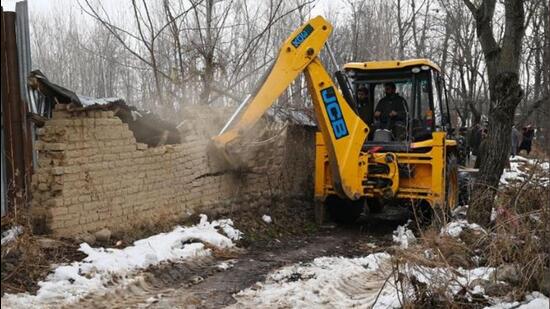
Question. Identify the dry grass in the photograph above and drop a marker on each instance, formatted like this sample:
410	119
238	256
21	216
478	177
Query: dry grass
519	237
25	261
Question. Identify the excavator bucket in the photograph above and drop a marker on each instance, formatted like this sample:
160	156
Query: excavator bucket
221	159
235	156
217	159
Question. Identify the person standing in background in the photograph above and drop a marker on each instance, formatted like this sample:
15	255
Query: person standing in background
516	140
527	139
474	139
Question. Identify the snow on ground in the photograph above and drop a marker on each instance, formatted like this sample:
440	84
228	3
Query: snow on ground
11	234
227	264
69	283
364	282
454	228
534	300
460	211
403	236
453	280
515	173
326	282
227	227
267	219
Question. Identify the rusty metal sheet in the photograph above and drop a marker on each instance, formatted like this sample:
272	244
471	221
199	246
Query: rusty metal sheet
17	142
2	133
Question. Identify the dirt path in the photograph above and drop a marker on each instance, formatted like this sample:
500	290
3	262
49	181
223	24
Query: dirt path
202	283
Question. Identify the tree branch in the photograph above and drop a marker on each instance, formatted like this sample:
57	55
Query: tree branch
534	106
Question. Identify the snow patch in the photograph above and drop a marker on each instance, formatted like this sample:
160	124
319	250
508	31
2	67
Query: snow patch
403	236
11	234
69	283
455	228
267	219
327	282
534	300
227	227
365	282
514	173
460	211
226	264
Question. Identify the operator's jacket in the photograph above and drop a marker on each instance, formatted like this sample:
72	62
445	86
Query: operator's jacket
392	102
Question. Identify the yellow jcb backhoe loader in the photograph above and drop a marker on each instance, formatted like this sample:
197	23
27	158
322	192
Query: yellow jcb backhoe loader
358	170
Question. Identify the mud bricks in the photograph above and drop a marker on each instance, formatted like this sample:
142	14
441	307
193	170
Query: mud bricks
93	174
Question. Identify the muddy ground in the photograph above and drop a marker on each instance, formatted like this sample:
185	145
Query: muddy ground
207	282
202	283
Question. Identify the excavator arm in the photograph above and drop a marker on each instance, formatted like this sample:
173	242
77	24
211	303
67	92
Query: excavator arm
343	131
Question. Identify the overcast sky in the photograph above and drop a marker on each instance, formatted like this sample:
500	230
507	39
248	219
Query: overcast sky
38	5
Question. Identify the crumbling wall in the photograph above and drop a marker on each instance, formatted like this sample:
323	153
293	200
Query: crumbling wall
92	174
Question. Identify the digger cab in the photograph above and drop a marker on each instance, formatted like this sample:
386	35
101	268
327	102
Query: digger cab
419	85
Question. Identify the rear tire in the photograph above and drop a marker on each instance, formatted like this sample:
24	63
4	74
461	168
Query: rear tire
342	210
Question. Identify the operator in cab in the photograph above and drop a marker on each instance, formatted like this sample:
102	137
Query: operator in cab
391	111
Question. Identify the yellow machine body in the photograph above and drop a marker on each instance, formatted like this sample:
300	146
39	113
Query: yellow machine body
427	184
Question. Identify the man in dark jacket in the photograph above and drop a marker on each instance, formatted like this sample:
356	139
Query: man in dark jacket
482	148
527	139
391	111
474	139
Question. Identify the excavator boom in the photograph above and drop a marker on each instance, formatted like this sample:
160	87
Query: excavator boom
343	131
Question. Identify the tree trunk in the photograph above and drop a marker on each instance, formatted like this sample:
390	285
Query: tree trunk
508	94
208	75
503	62
545	112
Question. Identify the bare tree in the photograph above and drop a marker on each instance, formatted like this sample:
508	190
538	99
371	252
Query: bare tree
503	64
212	51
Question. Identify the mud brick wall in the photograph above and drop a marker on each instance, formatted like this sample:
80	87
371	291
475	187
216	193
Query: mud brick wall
93	174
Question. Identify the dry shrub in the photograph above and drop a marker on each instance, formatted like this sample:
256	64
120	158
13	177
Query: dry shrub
521	235
450	250
26	261
442	274
519	238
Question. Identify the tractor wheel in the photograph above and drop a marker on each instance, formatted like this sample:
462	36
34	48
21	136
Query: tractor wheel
343	211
